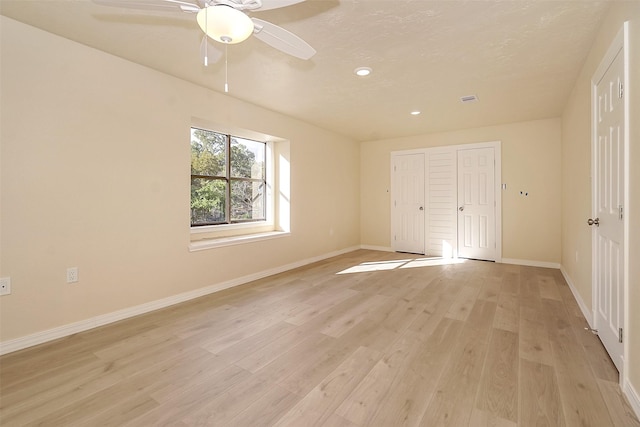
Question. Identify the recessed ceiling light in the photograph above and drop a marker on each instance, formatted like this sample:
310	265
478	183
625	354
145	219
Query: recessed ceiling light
415	113
362	71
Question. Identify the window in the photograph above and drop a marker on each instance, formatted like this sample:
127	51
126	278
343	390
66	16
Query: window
228	179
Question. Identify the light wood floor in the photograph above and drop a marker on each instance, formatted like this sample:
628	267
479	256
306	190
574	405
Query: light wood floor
386	343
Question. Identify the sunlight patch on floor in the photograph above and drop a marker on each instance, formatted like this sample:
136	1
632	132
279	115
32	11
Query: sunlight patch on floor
375	266
429	262
367	267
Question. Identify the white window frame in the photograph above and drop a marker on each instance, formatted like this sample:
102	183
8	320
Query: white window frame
276	223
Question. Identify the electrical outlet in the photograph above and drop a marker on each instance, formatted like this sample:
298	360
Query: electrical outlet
72	274
5	285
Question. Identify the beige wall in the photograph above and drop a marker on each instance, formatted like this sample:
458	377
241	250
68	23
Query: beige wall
95	174
576	167
530	162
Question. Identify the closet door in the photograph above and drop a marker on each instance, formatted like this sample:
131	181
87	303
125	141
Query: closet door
476	204
408	214
442	202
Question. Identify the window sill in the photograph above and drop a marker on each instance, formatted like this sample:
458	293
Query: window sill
200	245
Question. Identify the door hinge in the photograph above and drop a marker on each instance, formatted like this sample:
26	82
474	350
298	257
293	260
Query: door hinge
620	90
620	216
619	335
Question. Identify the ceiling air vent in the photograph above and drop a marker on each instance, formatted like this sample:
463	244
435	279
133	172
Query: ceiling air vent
468	99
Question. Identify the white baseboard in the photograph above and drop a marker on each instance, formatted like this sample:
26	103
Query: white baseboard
632	396
104	319
530	263
586	311
376	248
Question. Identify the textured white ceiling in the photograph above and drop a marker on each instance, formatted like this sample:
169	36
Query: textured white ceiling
520	57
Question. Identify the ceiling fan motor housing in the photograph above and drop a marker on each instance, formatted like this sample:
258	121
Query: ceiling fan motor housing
225	24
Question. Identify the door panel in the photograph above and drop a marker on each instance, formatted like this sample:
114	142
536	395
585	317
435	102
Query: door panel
476	204
408	204
608	236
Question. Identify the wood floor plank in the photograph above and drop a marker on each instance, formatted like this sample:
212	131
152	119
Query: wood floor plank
597	356
366	338
582	402
461	307
619	409
548	288
174	374
540	401
569	300
221	409
320	304
111	406
267	409
331	391
530	290
175	405
481	317
534	340
40	364
433	311
363	403
274	350
302	379
453	401
357	313
510	283
397	315
480	418
253	343
498	392
37	399
507	313
223	340
410	394
490	289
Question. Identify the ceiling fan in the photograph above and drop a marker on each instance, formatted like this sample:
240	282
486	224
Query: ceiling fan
227	22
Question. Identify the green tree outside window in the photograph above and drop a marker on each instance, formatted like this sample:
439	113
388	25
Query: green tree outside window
227	178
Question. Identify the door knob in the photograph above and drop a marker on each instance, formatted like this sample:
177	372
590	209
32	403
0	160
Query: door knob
595	222
421	208
461	208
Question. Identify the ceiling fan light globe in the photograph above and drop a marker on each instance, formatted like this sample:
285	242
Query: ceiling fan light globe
225	24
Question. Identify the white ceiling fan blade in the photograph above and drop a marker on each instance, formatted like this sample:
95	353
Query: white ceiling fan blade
209	51
275	4
282	39
160	5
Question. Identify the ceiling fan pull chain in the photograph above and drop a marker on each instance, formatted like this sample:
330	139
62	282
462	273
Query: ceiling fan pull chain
226	71
206	42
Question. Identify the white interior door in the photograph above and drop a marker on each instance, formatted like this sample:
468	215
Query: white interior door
476	204
408	203
608	224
